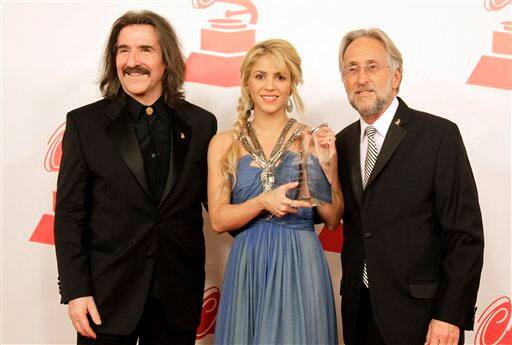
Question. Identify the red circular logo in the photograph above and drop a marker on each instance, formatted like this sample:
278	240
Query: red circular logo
54	152
494	323
210	307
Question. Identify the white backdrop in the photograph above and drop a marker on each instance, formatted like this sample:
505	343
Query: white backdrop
50	61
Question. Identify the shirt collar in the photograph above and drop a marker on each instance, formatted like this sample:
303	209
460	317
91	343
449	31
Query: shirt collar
138	110
383	122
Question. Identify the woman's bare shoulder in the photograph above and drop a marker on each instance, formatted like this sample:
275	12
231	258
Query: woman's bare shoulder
221	142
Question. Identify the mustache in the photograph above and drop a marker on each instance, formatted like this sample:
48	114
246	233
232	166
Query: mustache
136	69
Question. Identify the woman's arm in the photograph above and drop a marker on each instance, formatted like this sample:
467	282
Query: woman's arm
330	213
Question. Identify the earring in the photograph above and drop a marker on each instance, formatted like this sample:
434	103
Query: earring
251	104
289	106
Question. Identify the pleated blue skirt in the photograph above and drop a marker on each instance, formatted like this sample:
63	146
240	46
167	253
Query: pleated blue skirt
277	288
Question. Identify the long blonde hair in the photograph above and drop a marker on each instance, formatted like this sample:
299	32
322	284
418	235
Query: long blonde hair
286	57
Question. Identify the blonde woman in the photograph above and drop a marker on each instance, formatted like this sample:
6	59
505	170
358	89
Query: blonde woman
277	288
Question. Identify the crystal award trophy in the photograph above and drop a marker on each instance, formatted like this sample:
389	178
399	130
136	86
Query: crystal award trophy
313	161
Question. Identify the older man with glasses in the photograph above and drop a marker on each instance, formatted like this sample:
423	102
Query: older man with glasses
413	249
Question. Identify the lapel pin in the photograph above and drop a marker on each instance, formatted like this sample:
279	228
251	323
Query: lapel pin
397	122
182	136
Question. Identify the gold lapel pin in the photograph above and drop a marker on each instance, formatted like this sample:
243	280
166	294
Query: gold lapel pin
182	136
397	122
149	111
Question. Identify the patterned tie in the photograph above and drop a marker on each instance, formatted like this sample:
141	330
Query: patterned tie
371	158
371	154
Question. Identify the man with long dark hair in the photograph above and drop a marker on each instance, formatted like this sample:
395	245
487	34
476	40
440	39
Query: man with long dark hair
128	225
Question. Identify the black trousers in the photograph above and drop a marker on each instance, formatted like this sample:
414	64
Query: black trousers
367	332
152	329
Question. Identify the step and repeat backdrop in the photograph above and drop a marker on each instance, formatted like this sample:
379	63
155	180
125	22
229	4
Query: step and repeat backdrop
457	63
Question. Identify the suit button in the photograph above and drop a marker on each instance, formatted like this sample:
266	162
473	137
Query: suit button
367	235
150	254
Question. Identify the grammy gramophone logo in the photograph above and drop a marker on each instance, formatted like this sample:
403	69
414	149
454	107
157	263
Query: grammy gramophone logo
223	43
495	70
43	233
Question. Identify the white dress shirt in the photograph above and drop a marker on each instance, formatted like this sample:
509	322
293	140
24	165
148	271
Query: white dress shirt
381	126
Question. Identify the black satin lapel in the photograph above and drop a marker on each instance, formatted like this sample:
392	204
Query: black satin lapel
355	163
394	137
180	141
116	107
124	139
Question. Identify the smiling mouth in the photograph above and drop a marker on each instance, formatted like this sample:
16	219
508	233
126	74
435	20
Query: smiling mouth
364	92
135	74
269	99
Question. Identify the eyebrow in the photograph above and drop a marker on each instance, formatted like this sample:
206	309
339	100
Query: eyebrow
144	46
276	73
365	62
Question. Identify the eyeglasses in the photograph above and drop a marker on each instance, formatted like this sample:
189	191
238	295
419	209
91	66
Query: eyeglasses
370	69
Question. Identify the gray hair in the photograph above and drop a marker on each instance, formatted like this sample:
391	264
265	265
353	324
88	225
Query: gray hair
392	52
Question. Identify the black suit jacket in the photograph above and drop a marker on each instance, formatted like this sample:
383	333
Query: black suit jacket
417	223
109	230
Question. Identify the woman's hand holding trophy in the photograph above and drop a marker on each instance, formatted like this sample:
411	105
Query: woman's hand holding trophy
318	158
323	147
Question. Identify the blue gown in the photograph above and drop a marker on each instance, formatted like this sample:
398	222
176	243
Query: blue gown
277	286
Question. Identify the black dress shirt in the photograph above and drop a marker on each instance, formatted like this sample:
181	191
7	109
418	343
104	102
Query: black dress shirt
153	134
152	129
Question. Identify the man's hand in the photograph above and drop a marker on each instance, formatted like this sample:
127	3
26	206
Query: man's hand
78	309
442	333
